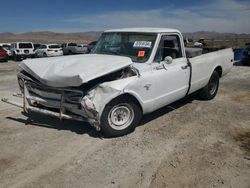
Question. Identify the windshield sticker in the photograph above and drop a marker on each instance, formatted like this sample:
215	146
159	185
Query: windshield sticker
141	53
142	44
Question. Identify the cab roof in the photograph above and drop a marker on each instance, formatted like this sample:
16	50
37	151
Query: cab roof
145	30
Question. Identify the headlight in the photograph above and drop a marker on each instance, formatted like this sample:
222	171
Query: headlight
73	97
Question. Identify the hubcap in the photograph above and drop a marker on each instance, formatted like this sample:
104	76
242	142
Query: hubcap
121	116
213	86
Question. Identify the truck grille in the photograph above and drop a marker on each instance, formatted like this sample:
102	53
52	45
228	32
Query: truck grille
37	89
71	96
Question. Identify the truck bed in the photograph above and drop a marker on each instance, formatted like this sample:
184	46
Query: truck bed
193	52
204	63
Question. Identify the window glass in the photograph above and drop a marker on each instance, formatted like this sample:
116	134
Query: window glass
25	45
137	46
43	46
54	46
72	44
169	46
6	46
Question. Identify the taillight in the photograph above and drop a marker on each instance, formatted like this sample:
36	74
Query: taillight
50	50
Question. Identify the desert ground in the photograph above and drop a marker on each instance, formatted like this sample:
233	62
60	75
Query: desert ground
190	143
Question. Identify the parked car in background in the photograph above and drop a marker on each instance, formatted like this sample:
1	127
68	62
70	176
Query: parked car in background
6	47
3	54
200	43
85	47
48	50
246	58
91	45
22	50
72	48
36	46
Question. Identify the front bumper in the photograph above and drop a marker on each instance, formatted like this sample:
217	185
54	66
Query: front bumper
54	104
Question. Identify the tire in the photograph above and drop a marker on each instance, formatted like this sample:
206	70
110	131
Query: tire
120	117
45	55
15	58
210	90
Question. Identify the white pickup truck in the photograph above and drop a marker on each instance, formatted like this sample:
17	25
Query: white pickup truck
130	72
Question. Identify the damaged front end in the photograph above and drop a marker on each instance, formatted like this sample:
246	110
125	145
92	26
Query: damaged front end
83	103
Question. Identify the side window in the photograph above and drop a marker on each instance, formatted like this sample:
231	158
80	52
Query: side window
169	46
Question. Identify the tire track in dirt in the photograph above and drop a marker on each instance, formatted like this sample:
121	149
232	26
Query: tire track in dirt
61	158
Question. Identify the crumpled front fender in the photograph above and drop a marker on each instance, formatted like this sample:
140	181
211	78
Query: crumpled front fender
96	99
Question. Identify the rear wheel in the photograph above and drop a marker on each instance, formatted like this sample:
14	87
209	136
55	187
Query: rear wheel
210	90
15	58
120	117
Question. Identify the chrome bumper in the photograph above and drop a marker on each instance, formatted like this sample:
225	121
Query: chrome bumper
29	101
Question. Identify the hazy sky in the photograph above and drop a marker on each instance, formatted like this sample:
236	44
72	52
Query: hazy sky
78	15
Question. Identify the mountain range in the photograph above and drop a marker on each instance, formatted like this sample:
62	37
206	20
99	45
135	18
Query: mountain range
86	37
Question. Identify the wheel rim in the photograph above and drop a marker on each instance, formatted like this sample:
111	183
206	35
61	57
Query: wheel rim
121	116
213	86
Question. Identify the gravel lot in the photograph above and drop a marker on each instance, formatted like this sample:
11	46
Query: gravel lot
190	143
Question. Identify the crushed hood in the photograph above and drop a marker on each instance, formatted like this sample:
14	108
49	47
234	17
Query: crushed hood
66	71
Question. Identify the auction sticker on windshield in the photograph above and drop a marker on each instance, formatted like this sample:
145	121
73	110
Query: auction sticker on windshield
141	53
142	44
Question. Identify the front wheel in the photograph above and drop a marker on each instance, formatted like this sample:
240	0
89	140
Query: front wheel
210	90
120	117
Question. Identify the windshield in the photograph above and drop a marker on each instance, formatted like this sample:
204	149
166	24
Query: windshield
137	46
6	46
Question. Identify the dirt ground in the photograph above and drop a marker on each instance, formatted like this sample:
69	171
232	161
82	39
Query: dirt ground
190	143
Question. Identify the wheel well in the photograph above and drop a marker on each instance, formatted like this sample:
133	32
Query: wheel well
219	70
131	98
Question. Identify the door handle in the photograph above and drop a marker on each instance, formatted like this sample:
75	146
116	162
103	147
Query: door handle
184	66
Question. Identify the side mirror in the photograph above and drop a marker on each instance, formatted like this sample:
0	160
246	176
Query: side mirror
168	59
162	65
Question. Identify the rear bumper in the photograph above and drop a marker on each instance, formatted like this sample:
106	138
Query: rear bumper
5	58
53	54
24	56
